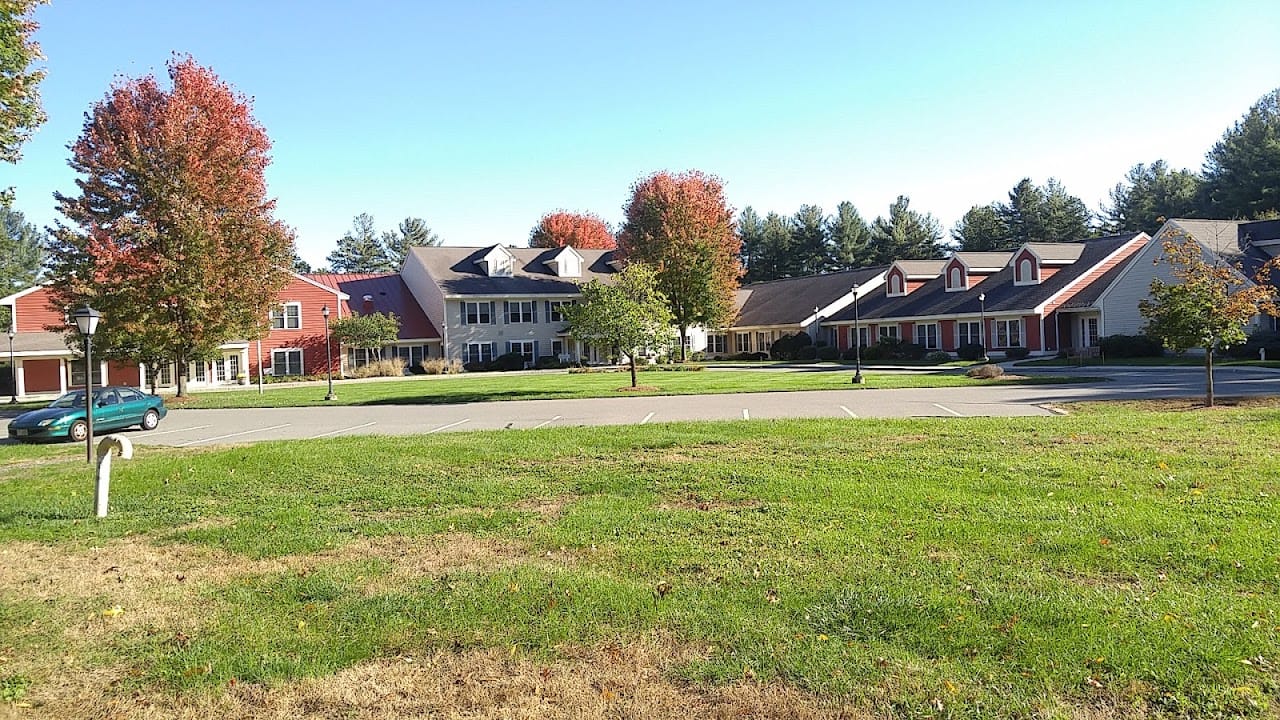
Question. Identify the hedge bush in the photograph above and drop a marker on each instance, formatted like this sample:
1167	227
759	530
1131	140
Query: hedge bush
808	352
938	356
1258	340
828	353
1130	346
971	351
1017	353
788	347
507	361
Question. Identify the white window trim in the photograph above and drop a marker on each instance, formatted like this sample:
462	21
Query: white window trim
974	324
937	335
902	284
283	309
1007	323
1018	278
302	362
964	278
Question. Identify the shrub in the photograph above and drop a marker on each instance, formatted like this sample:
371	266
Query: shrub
475	366
699	356
875	353
1017	353
1130	346
1257	341
938	356
508	361
808	352
677	367
909	351
828	353
970	351
393	367
788	347
549	362
985	372
441	366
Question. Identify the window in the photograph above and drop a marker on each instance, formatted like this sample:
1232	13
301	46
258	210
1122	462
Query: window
286	362
287	316
477	313
165	376
715	344
764	341
220	370
1026	271
77	373
478	353
411	355
202	370
233	367
1088	332
888	331
520	312
862	336
742	342
528	349
927	335
553	309
128	395
969	333
1008	333
557	348
895	284
955	279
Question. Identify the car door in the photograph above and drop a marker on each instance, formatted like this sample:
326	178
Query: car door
107	411
132	406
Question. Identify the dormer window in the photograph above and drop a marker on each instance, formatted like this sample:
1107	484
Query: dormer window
957	277
566	263
895	285
1026	272
497	262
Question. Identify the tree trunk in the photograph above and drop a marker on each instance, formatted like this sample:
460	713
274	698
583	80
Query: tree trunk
633	368
182	370
1208	377
153	373
684	336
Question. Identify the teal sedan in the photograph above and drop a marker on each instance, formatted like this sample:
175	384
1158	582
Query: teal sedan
114	407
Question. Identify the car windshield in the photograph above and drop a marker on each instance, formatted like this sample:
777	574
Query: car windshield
73	399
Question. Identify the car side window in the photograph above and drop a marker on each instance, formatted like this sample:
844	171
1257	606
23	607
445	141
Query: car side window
129	395
109	398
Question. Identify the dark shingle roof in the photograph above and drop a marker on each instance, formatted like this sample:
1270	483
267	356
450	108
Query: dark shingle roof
931	299
455	270
789	301
388	294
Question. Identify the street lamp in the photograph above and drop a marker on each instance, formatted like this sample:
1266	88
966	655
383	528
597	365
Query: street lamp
13	371
328	353
982	329
87	323
857	341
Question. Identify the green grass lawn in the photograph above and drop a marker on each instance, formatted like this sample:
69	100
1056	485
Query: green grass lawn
1117	562
481	387
1167	360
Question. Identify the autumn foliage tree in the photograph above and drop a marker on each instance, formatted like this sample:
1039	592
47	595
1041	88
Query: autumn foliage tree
1207	305
20	111
681	225
579	230
171	236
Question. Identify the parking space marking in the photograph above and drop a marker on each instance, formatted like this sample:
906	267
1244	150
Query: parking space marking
223	437
446	427
847	410
947	409
545	422
153	433
647	418
335	432
745	415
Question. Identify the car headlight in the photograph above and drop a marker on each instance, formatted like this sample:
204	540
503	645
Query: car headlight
45	423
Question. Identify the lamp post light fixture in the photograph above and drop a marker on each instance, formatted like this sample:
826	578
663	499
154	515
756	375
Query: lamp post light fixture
857	341
87	319
328	353
13	371
982	329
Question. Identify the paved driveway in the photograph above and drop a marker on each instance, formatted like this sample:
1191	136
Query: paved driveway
187	428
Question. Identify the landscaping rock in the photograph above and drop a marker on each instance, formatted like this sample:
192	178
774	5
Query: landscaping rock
985	372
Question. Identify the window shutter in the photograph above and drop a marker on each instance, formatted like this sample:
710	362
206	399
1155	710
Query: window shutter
547	307
463	306
533	306
508	346
536	354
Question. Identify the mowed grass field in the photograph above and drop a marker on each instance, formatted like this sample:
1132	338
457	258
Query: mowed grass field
1123	561
484	387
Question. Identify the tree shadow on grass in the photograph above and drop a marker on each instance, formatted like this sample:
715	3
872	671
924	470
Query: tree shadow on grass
473	397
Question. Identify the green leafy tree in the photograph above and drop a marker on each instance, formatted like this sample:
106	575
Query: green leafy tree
361	250
20	251
20	110
1151	194
1208	304
850	238
413	232
681	225
1242	171
629	313
905	234
982	229
367	332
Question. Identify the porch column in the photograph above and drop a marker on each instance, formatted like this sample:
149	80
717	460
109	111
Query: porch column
20	379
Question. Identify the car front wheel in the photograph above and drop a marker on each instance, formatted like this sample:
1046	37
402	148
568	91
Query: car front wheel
150	420
79	431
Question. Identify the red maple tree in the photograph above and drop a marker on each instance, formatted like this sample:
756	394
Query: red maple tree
173	238
682	226
579	230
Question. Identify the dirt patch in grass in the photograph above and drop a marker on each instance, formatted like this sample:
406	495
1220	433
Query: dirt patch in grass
548	508
640	388
1189	404
695	502
611	681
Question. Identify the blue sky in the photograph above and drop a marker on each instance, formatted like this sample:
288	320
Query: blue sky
481	116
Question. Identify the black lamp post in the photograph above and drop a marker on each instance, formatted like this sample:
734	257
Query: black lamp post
13	372
87	323
857	341
982	329
328	353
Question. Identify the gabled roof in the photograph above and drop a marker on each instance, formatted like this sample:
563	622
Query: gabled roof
920	269
454	269
388	294
790	301
40	342
983	261
1002	296
1053	253
1219	236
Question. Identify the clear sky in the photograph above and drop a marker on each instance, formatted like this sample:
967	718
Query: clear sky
481	116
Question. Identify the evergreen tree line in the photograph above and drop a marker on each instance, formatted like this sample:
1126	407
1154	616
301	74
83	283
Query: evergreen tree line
1240	179
365	250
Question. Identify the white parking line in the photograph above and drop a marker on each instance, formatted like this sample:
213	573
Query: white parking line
647	418
335	432
446	427
223	437
544	422
847	410
745	415
943	407
166	432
